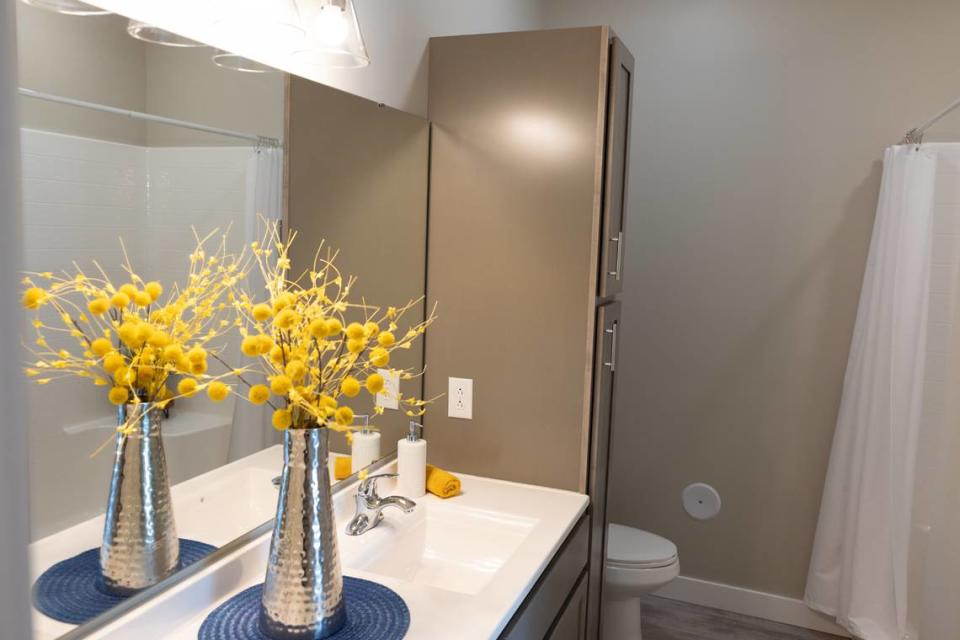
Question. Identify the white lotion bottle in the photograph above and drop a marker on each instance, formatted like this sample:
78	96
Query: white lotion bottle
412	463
365	449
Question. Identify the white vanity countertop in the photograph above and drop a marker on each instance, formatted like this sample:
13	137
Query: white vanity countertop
462	565
215	507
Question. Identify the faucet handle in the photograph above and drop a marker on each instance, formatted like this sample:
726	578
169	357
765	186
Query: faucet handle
368	486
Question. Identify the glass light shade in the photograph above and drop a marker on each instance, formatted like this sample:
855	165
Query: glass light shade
274	24
156	35
236	62
334	37
69	7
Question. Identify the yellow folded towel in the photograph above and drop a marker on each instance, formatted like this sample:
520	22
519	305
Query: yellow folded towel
342	467
442	483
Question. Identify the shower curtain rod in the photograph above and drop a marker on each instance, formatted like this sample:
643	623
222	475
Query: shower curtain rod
261	141
915	136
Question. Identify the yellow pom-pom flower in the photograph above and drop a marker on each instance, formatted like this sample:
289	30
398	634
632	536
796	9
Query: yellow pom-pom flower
318	328
197	354
258	394
281	419
355	331
98	306
159	339
101	347
334	326
296	370
129	289
374	383
356	345
344	416
34	297
217	391
173	353
120	300
379	357
118	395
153	289
371	329
250	346
198	368
129	334
386	339
280	385
261	312
286	318
124	375
112	362
264	344
141	298
187	387
350	387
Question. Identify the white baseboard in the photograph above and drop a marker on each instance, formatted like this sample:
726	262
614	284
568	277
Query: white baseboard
768	606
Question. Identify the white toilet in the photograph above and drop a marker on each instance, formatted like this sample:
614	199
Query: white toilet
638	562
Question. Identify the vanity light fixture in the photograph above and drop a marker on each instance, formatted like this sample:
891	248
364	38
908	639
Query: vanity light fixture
68	7
236	62
335	39
156	35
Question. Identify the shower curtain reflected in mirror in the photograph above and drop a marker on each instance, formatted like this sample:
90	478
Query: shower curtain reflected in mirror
886	550
251	429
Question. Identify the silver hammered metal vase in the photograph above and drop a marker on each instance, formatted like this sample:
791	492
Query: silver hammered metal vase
140	545
303	590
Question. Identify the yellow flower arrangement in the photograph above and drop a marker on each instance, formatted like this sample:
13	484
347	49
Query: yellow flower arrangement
126	338
310	356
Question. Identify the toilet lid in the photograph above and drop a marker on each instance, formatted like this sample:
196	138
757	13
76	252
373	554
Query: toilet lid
626	545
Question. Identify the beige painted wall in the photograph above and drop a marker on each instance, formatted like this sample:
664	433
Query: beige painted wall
757	135
88	58
358	180
186	84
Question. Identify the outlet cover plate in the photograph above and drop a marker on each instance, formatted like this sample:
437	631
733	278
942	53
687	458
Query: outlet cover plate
387	397
460	398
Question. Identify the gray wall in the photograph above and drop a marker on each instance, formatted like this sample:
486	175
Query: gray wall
14	598
93	59
757	137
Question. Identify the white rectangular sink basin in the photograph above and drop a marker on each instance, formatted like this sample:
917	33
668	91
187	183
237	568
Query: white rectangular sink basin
448	547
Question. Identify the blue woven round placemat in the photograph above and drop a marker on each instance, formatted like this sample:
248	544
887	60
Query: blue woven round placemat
68	590
374	612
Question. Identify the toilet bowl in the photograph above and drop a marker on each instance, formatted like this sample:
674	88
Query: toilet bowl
638	562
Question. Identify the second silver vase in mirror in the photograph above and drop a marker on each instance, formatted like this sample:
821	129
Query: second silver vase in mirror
140	545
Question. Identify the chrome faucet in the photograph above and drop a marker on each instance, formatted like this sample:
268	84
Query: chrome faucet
370	506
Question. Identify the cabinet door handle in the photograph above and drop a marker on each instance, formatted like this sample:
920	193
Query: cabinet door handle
613	348
619	264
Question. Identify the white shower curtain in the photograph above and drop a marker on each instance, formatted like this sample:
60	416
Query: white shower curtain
251	424
859	568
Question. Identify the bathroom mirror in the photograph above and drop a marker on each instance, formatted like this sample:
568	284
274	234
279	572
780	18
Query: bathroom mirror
229	145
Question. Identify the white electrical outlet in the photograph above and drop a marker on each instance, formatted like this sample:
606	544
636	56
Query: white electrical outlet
388	397
460	398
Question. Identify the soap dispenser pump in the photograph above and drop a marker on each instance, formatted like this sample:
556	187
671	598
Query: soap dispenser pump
412	463
365	447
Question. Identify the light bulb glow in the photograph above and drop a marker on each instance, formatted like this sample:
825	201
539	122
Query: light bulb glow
332	26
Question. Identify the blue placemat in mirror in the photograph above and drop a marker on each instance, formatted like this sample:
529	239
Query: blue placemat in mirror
68	590
374	612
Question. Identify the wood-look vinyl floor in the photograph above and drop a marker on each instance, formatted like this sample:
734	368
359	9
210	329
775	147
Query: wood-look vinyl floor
671	620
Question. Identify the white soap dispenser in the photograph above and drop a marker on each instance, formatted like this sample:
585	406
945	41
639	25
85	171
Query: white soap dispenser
366	445
412	463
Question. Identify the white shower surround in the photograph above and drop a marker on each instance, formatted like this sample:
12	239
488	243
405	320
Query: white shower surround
79	196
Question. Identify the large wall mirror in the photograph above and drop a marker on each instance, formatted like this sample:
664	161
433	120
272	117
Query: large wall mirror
238	144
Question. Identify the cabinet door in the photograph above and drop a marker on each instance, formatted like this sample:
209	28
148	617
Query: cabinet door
604	378
571	624
616	167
